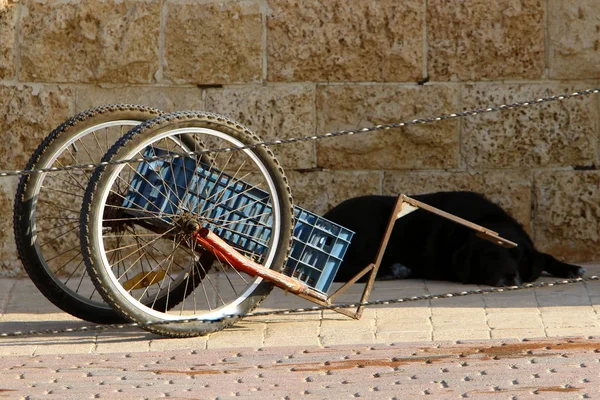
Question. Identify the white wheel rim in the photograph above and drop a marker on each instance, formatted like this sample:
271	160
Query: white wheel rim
37	188
233	307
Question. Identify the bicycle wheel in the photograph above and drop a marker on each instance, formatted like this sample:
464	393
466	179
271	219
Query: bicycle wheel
47	207
136	220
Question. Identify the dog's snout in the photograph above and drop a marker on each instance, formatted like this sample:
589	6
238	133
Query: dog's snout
516	281
510	280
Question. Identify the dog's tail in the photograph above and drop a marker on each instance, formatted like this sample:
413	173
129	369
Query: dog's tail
561	269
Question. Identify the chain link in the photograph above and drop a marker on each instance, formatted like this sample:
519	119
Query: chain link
278	142
424	297
374	128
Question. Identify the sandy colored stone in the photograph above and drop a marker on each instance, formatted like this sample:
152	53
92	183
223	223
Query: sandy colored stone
427	146
530	320
90	41
27	115
213	42
319	191
483	40
517	333
410	183
248	333
341	40
403	336
8	21
553	134
567	214
574	39
272	112
10	265
469	333
167	99
451	318
509	189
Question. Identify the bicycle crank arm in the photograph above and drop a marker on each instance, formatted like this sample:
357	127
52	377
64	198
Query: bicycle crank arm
228	254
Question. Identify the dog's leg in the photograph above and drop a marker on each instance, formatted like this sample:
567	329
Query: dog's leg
561	269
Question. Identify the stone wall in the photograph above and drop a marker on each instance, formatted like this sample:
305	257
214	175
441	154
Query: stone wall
290	68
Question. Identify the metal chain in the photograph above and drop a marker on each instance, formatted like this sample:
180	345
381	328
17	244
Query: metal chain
277	142
303	139
309	309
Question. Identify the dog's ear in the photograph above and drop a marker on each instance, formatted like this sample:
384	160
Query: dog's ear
461	262
528	262
531	263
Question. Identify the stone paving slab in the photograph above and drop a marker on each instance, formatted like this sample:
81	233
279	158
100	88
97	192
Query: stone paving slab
568	310
564	368
541	343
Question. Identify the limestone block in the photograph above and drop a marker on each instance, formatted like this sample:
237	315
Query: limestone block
272	112
512	191
27	115
509	189
567	214
432	145
9	262
420	182
168	99
483	40
341	40
213	42
574	39
319	191
8	21
555	134
90	41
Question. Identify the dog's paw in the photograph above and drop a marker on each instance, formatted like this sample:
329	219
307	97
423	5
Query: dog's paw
399	271
576	272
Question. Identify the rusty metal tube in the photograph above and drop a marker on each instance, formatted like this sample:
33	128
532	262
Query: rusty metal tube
228	254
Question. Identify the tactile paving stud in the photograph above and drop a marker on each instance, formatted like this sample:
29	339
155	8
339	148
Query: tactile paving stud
467	369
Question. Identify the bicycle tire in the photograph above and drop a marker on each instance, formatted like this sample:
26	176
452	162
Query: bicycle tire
105	234
40	253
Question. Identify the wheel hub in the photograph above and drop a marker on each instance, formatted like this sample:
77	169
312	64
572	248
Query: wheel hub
188	223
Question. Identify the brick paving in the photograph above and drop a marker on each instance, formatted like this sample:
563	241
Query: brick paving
541	343
510	369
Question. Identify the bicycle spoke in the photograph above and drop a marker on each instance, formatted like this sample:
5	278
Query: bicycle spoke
76	183
56	206
144	197
76	248
232	197
64	265
158	266
76	228
207	277
146	245
64	192
157	271
75	270
55	227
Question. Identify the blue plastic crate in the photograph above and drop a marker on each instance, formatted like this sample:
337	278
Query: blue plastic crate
318	248
159	187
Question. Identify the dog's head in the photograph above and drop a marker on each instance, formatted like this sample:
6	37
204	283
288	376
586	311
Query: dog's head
483	262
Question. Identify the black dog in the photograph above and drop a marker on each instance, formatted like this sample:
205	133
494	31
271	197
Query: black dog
425	245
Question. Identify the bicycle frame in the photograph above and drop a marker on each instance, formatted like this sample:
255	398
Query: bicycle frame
404	206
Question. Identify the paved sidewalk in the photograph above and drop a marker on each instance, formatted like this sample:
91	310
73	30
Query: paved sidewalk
566	310
559	356
507	369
